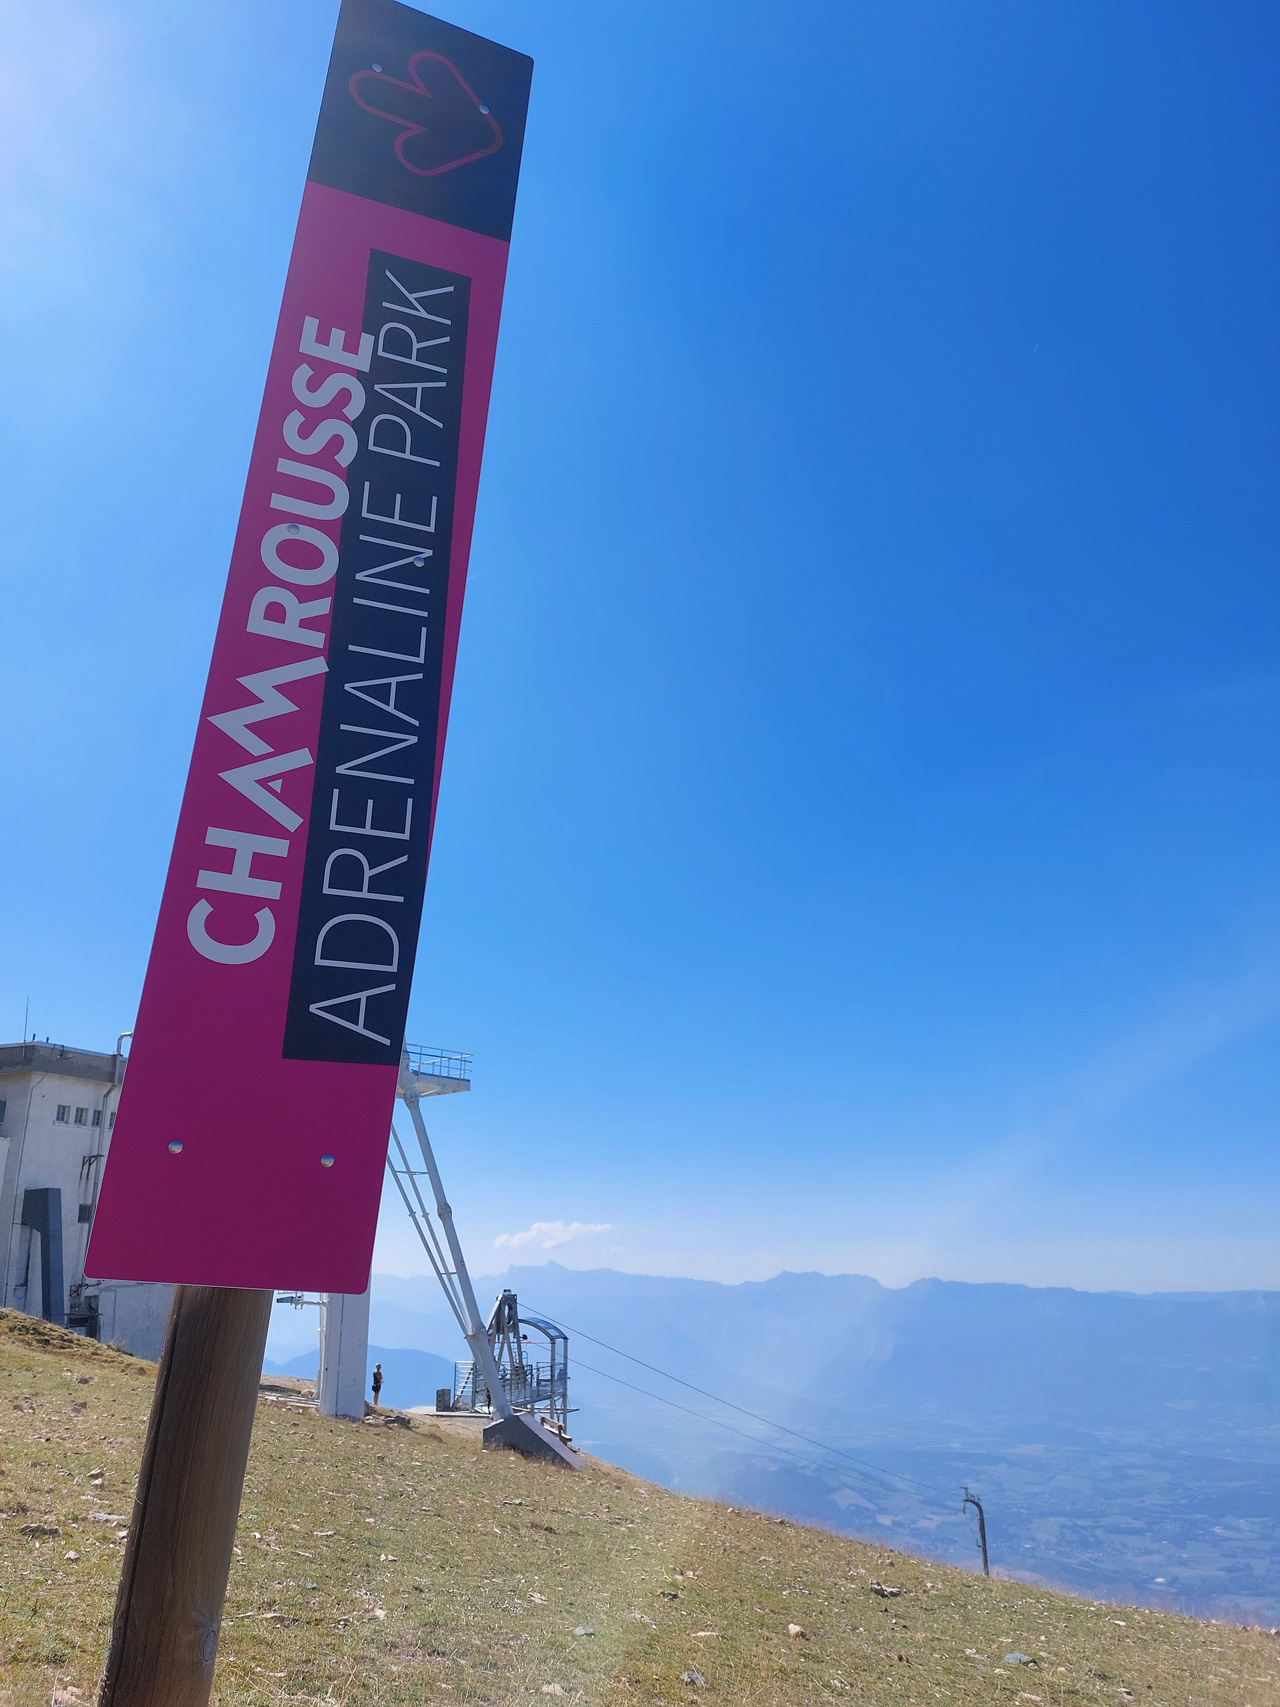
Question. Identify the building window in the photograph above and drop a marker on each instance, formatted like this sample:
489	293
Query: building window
111	1120
3	1107
86	1213
97	1117
82	1117
63	1115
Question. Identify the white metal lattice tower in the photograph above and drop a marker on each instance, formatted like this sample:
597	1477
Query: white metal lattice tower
528	1401
435	1072
344	1317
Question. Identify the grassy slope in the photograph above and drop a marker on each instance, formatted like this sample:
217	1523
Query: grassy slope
444	1575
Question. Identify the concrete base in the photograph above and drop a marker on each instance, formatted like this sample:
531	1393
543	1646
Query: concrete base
525	1434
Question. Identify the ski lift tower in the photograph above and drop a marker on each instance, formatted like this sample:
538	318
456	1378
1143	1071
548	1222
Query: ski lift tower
529	1403
344	1317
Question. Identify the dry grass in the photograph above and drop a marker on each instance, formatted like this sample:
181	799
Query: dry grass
399	1564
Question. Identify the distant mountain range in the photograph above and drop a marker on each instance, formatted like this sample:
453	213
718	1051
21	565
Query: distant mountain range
1125	1446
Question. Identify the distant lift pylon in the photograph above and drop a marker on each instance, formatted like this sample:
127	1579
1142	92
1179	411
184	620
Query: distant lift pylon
529	1402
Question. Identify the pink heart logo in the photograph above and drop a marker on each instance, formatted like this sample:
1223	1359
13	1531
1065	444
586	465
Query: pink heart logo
443	123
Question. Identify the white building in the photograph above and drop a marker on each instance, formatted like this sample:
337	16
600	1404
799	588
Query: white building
57	1109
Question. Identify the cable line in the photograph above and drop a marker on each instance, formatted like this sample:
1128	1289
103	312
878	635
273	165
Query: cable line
754	1415
716	1421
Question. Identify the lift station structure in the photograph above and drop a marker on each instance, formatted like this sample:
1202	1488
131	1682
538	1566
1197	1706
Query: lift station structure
521	1384
539	1387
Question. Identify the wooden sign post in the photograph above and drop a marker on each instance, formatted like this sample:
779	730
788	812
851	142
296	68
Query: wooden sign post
164	1636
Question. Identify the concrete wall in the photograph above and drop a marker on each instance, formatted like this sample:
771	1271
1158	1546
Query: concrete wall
48	1138
132	1315
46	1151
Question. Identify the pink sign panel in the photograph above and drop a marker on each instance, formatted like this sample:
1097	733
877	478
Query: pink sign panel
251	1135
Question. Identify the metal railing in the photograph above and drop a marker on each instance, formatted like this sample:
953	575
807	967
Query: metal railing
534	1384
439	1063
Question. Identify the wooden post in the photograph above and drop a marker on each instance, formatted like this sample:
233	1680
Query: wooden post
164	1636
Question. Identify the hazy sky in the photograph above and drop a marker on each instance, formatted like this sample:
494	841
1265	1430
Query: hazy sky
858	839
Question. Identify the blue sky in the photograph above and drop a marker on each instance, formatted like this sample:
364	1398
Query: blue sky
858	839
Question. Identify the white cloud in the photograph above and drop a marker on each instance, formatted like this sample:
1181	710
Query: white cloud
550	1235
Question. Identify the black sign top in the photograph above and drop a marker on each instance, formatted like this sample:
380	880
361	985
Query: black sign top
424	116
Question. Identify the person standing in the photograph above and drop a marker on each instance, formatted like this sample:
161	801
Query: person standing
377	1383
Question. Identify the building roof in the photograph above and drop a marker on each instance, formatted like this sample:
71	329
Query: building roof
60	1059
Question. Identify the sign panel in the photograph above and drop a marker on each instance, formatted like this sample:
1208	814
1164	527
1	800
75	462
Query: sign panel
252	1129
